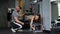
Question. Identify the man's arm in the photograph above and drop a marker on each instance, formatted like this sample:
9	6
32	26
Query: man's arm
22	15
16	20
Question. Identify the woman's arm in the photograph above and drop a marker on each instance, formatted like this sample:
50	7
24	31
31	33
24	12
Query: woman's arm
32	23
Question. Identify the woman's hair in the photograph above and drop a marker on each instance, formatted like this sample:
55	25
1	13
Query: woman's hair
39	19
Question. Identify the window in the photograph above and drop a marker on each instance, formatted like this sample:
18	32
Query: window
58	9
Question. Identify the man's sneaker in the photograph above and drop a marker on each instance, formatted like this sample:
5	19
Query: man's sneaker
13	30
20	30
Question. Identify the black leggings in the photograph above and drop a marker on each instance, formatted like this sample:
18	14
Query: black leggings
14	25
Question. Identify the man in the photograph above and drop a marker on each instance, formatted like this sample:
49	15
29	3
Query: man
16	23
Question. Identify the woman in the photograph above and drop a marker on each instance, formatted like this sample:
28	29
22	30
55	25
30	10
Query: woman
35	19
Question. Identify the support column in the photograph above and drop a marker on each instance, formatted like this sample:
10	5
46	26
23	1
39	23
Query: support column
46	8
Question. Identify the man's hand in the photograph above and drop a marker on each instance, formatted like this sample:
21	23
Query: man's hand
22	23
22	15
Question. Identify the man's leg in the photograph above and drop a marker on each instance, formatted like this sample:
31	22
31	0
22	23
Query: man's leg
15	26
19	25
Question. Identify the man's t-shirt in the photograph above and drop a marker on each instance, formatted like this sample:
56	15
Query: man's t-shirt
15	14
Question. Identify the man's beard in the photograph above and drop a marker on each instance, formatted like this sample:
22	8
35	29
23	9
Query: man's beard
18	11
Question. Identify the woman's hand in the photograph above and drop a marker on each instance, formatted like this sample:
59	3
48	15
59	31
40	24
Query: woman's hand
33	28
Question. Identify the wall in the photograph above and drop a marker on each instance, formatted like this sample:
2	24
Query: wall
16	3
4	5
27	4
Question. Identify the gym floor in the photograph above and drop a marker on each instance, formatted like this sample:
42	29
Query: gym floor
7	31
